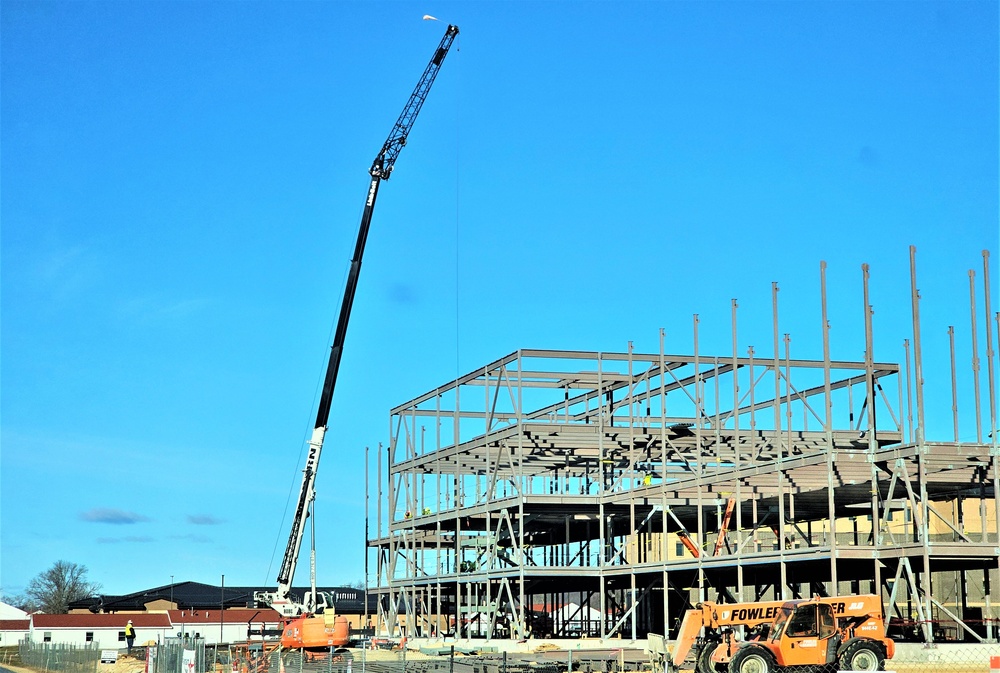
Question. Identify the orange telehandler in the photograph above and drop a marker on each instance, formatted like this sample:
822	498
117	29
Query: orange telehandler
846	632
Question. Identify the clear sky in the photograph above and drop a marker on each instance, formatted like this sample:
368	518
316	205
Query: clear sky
182	184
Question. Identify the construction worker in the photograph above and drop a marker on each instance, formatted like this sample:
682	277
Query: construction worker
129	636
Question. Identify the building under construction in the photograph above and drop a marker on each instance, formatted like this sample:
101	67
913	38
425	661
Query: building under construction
562	493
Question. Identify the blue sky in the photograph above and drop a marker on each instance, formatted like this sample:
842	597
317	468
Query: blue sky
182	184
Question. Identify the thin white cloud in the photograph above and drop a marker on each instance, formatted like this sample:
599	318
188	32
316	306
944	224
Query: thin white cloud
128	539
203	520
60	263
64	273
191	537
112	516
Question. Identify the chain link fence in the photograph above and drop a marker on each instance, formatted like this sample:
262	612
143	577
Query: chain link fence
946	658
908	658
177	655
59	657
445	660
440	660
192	656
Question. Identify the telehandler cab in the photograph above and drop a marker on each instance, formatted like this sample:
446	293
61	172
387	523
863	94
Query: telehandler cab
844	633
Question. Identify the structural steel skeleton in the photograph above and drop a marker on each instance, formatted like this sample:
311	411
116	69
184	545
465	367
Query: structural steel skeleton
547	481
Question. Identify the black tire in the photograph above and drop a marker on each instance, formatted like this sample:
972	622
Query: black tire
752	659
705	664
861	655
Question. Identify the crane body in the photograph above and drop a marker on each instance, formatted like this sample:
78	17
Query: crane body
307	634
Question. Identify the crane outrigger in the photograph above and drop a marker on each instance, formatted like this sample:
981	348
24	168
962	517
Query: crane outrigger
307	628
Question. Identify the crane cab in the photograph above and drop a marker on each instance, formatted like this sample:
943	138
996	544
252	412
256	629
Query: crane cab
804	634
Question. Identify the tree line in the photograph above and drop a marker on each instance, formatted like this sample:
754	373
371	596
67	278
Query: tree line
51	591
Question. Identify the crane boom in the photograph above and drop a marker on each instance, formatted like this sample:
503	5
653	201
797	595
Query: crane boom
386	158
381	170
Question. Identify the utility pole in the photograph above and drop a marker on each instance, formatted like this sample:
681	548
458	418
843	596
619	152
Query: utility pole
222	616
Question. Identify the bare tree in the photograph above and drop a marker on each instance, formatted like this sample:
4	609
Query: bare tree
52	590
19	601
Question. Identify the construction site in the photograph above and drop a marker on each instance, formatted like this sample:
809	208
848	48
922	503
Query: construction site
712	507
563	494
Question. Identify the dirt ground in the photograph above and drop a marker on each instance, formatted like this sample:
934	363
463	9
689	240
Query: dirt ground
123	665
132	665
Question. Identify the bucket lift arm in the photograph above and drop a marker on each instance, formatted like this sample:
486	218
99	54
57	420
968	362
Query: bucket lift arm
381	169
720	542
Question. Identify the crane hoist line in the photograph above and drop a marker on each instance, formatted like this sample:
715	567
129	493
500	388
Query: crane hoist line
381	169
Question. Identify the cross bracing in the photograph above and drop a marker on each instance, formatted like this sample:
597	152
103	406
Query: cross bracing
631	485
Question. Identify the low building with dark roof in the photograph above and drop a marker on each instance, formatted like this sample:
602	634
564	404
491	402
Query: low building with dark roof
178	596
198	596
193	598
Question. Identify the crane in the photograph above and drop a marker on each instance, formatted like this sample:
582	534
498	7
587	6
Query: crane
381	169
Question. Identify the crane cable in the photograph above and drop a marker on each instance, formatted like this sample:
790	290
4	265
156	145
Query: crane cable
296	475
307	430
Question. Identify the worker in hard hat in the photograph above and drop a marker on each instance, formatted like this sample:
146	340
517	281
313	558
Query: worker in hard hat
129	636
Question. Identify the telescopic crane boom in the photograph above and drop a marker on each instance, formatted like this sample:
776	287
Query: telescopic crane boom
381	170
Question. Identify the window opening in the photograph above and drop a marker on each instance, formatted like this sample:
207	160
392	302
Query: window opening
827	624
803	622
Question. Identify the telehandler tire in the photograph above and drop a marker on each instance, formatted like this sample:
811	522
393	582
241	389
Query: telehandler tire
861	655
705	664
752	659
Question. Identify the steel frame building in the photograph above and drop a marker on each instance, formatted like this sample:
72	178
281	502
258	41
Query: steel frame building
549	479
